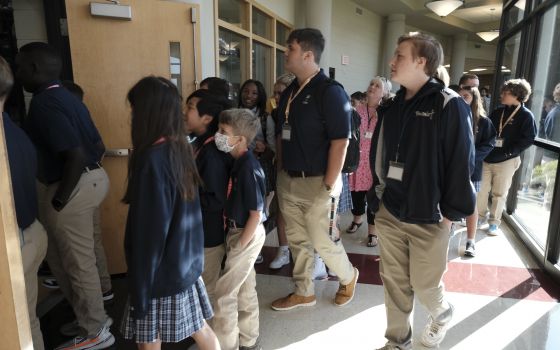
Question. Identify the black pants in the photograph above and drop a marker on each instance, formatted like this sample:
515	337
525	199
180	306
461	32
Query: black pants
359	206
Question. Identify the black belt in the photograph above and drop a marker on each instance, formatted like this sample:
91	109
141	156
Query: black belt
233	224
91	167
304	174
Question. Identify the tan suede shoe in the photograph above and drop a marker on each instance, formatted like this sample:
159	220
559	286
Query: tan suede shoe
345	293
293	301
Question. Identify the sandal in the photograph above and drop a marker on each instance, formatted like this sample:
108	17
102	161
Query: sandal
372	240
354	226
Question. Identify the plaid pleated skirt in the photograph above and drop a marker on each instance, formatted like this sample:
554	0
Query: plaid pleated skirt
345	201
170	319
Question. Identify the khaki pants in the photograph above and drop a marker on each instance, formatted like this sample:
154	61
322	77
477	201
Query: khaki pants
32	254
496	179
213	258
71	251
413	261
236	315
306	206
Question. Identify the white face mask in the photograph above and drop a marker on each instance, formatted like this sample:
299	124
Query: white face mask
222	142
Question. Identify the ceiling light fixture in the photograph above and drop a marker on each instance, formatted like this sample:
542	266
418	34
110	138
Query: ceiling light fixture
477	70
489	35
444	7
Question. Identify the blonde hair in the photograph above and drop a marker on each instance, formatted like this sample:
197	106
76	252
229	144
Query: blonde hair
285	79
441	74
242	121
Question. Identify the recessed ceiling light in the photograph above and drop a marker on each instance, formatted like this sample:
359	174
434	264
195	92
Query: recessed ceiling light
478	69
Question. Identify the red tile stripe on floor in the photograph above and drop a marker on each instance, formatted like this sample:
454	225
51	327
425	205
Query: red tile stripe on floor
479	279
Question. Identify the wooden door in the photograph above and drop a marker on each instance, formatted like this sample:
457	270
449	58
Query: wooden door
108	57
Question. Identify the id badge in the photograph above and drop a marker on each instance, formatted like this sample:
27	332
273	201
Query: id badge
499	142
368	135
396	171
286	132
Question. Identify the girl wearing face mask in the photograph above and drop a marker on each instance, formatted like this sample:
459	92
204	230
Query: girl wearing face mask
253	97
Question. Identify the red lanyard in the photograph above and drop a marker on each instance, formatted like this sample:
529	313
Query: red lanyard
207	141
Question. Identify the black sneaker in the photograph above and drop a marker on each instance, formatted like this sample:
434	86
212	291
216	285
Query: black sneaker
50	283
470	250
108	295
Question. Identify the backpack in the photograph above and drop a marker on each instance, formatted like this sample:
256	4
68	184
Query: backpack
352	159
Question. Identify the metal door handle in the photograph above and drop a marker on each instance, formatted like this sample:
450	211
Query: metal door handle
117	152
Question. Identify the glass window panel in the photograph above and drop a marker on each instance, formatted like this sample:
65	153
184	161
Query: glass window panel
514	14
282	33
547	77
175	64
233	12
509	59
262	24
232	56
280	65
534	195
262	64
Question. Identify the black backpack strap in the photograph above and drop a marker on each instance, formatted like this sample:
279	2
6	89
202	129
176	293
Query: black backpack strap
319	93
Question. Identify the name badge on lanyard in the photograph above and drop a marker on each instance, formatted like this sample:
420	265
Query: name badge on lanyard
396	171
368	135
286	132
499	142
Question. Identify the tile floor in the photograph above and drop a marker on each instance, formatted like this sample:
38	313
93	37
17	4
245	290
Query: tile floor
502	301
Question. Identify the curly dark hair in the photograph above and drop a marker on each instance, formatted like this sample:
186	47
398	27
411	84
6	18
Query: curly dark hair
520	88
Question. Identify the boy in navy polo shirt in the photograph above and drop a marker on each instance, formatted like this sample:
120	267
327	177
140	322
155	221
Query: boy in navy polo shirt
235	290
201	122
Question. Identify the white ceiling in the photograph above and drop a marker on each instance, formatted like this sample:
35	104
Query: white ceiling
473	16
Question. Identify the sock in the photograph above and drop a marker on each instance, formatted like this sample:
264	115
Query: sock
470	241
283	247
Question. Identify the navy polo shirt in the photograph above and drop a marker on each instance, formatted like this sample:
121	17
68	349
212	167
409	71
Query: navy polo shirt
23	169
311	130
214	167
248	189
58	121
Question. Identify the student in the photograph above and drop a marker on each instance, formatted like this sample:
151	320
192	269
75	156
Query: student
72	328
283	253
69	152
311	152
422	193
516	130
484	139
23	170
253	97
217	86
214	166
163	238
237	308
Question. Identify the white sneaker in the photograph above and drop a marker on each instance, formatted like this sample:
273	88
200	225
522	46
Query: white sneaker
435	330
102	340
320	270
282	258
494	230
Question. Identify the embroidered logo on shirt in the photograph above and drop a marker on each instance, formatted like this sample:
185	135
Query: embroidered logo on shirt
429	114
306	100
